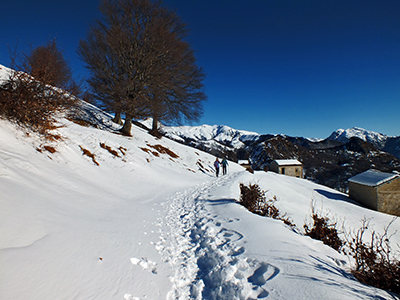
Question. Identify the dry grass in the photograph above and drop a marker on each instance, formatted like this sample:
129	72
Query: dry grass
122	149
89	154
150	151
163	150
109	149
51	149
81	122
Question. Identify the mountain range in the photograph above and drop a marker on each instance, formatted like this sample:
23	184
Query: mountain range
331	161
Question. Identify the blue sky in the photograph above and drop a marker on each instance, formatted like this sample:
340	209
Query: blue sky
297	67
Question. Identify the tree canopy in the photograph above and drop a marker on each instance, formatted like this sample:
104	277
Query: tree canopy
140	64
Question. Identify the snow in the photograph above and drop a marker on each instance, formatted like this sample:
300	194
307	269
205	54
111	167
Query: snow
147	225
4	73
373	178
288	162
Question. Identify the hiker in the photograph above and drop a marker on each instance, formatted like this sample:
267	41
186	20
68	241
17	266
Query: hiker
224	164
216	165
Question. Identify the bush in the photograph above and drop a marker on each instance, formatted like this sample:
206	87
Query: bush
30	97
253	198
323	230
374	264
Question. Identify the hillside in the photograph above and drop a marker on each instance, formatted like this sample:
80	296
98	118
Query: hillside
145	218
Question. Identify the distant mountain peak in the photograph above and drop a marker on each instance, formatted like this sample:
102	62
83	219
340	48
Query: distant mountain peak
344	135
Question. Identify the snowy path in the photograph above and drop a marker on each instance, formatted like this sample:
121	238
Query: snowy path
208	259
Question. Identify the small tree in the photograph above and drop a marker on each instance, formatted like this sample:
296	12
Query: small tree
29	96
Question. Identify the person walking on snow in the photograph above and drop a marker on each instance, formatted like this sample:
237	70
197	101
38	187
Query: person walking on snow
224	164
216	165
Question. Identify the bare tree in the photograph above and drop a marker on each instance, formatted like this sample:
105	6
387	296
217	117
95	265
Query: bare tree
131	53
177	92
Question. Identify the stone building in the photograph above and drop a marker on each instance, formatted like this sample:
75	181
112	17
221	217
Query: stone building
377	190
290	167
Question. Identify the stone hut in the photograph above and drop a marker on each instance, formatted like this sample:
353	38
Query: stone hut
290	167
377	190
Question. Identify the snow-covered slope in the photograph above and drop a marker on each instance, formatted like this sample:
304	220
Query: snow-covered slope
91	214
147	219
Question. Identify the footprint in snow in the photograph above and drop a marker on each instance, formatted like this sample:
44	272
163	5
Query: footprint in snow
145	263
265	272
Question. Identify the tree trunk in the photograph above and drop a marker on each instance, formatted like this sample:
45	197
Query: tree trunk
155	124
117	119
154	130
126	129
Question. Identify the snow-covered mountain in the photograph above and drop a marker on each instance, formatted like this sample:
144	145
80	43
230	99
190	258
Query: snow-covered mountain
390	144
221	134
343	135
219	140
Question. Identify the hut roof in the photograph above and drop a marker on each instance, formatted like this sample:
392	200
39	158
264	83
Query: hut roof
372	178
288	162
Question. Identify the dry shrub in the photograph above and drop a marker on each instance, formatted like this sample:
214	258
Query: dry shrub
89	154
28	103
253	198
30	97
323	230
374	262
250	170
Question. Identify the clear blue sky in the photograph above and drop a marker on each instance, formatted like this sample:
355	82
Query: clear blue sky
297	67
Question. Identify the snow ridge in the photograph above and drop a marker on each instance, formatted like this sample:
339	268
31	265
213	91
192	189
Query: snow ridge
208	259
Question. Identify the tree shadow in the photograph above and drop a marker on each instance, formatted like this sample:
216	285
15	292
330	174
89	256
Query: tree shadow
220	201
352	286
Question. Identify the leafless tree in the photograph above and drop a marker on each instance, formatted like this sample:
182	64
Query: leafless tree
178	92
139	64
